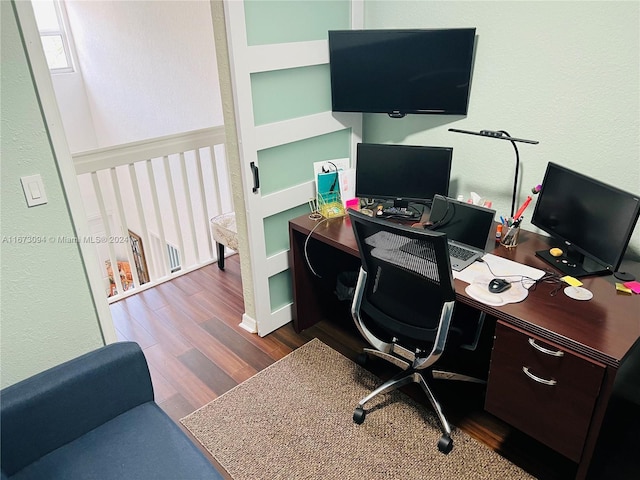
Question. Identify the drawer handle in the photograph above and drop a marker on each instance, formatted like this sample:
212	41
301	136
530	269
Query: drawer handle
546	351
537	379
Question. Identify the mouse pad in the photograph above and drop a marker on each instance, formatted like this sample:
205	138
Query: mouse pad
479	290
500	267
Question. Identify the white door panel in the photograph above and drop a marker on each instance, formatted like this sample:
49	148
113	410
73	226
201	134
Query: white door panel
246	60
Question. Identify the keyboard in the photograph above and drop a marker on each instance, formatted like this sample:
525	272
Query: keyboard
413	247
460	253
398	212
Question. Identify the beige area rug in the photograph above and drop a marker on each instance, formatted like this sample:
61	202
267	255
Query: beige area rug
293	421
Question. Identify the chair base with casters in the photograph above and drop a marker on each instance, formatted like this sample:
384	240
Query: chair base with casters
408	375
403	307
225	233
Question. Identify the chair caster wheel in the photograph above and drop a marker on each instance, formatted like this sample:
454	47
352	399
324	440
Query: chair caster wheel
445	444
362	359
359	415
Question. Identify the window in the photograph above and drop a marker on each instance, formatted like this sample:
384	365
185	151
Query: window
50	18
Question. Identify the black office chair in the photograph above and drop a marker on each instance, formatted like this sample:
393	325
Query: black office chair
403	305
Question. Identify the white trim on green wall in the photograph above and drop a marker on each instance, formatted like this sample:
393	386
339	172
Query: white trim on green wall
266	58
245	61
287	131
280	201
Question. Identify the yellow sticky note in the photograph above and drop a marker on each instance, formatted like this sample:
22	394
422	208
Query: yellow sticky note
574	282
622	289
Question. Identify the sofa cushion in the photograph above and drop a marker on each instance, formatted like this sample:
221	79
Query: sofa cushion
142	443
59	405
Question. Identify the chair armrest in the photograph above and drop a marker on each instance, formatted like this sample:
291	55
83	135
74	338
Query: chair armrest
59	405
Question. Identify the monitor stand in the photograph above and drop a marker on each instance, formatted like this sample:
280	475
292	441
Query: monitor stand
624	276
401	204
574	264
398	208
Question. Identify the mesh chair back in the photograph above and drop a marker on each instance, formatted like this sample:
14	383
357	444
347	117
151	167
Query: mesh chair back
408	278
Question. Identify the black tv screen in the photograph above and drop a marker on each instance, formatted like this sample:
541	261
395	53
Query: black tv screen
401	71
587	218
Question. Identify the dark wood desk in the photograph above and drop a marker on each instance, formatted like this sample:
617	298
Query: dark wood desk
587	341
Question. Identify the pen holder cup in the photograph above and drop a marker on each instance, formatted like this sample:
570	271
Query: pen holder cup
509	238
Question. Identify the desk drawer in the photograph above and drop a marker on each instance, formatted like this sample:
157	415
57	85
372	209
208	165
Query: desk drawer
543	390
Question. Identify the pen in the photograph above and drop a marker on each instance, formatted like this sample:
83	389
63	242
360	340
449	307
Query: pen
523	207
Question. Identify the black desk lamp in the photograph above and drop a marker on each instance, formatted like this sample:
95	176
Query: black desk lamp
502	135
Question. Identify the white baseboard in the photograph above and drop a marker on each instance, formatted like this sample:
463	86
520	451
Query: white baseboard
249	324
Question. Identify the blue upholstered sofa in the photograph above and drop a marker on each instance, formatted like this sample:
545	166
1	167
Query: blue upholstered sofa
94	417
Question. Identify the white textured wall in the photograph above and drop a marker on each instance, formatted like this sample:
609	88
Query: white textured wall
47	313
564	73
145	69
149	68
74	111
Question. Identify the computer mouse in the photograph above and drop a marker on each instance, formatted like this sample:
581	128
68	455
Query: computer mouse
498	285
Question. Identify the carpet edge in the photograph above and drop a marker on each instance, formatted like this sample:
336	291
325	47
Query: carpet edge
260	373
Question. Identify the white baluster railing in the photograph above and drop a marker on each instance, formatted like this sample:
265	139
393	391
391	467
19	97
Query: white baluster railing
159	194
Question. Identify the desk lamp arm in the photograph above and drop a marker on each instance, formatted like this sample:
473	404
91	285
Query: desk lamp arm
502	135
515	179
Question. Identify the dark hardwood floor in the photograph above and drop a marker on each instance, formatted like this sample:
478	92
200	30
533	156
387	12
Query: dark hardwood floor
189	331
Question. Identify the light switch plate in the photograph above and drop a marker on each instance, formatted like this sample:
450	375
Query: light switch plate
33	190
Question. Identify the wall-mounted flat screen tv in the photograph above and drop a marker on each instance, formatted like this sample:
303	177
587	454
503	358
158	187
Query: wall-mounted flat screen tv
401	71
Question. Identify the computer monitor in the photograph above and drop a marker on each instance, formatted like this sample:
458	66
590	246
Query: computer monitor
590	221
401	71
402	173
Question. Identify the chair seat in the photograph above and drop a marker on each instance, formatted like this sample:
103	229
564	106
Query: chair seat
224	230
142	443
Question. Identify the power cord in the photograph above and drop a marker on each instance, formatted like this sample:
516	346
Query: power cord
335	180
442	221
306	242
530	283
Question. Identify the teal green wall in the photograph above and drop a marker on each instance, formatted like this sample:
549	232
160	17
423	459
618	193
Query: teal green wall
47	312
280	290
270	21
283	94
292	164
276	229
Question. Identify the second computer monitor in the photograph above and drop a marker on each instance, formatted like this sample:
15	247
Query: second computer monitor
402	173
